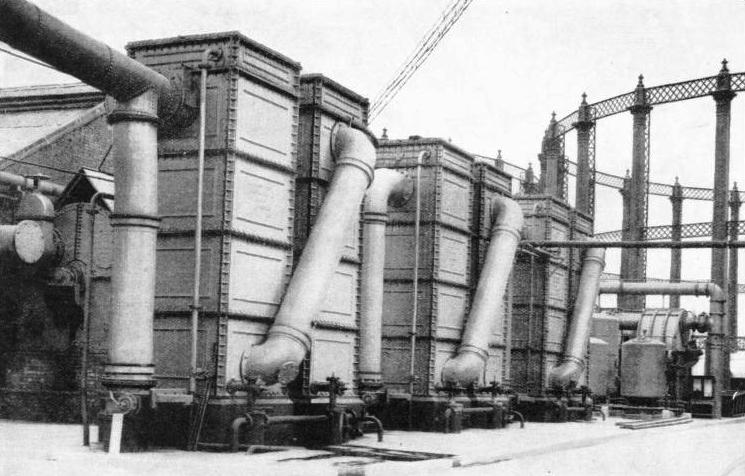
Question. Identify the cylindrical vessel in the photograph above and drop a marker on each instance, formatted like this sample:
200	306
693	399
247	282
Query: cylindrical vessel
135	227
643	365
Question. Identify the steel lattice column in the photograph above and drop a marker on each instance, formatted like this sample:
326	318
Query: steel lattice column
732	291
553	168
633	260
676	234
723	98
585	186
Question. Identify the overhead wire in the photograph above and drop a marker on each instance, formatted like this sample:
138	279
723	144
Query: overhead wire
450	16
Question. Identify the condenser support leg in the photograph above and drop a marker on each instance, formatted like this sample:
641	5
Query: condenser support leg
635	258
723	98
676	253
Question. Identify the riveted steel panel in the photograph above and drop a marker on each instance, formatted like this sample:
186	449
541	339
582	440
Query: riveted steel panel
172	347
454	257
456	198
396	361
452	303
265	124
177	192
601	368
332	353
320	91
258	276
398	306
241	335
263	199
174	275
495	369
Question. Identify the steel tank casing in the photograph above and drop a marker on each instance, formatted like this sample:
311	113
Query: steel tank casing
643	365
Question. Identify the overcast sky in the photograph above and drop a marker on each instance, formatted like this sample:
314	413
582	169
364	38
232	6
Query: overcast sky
494	80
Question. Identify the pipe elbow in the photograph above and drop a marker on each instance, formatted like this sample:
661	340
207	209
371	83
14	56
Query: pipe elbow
389	188
353	147
566	373
715	292
464	369
276	360
507	216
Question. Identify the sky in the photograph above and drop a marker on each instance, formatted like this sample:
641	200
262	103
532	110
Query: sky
493	81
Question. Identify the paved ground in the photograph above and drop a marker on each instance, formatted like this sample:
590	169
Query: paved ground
598	448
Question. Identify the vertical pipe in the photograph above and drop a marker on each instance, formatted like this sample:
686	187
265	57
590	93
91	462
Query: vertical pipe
415	278
627	259
86	318
195	305
677	229
135	226
388	188
733	291
723	96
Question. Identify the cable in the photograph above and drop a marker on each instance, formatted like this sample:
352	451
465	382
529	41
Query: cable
424	49
49	167
26	58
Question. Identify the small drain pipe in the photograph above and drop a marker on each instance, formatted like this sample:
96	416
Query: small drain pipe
573	363
467	367
390	188
717	302
288	341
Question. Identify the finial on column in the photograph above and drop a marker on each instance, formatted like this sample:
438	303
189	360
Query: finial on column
499	154
724	67
385	134
584	99
676	180
640	84
628	174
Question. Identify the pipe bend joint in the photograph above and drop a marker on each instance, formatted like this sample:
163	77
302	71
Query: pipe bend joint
276	360
507	216
563	375
352	147
465	368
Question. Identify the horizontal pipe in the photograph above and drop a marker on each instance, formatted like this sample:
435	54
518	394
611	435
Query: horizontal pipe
573	362
717	302
25	241
389	188
44	186
634	244
487	309
29	29
278	358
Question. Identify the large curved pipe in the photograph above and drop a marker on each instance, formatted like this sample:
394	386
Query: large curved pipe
288	341
467	366
717	302
28	28
573	361
390	188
